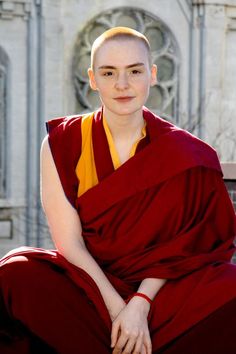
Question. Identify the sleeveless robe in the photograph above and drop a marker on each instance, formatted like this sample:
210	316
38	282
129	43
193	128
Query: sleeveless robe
165	213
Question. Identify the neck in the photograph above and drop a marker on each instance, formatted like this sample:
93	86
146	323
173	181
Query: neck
124	126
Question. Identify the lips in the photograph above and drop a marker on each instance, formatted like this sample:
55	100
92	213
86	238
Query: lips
124	98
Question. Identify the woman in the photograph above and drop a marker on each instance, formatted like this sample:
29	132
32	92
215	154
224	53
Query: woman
142	224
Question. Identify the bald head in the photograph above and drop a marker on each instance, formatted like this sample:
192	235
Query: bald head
119	34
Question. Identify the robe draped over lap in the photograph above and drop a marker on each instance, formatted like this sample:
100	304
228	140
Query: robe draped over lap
165	213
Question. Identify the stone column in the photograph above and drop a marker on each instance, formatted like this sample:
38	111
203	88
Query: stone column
218	92
13	38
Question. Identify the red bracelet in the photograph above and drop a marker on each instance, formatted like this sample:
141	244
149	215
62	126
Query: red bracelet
141	295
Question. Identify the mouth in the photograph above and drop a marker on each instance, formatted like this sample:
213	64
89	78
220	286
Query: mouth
124	98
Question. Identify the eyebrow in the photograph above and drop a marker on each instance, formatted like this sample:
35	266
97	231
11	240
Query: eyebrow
127	67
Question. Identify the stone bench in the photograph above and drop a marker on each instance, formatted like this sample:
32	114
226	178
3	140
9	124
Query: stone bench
229	170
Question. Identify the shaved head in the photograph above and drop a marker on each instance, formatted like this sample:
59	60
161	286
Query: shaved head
119	34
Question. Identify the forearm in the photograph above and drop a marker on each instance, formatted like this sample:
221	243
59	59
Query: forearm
151	286
66	230
81	257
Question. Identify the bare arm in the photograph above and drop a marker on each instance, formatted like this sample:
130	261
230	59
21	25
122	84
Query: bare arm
65	228
151	286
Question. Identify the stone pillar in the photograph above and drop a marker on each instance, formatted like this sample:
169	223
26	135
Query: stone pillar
13	38
218	93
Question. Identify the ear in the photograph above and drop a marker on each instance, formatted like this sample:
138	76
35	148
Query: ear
92	80
153	75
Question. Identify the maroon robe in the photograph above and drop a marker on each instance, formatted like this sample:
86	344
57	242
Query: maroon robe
165	213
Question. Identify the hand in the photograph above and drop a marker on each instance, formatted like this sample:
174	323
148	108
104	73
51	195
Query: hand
116	308
130	332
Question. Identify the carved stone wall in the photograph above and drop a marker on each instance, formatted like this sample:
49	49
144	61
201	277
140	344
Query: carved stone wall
14	8
14	24
220	70
47	43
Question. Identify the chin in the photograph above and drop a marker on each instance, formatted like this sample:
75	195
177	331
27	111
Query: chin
126	110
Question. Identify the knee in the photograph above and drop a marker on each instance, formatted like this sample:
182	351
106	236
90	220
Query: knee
20	271
12	267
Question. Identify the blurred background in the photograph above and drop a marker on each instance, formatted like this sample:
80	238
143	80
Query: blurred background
44	55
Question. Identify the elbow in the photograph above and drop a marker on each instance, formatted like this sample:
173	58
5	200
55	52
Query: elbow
70	250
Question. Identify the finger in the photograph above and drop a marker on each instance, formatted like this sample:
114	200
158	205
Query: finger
148	344
121	342
114	333
116	351
143	351
138	345
129	346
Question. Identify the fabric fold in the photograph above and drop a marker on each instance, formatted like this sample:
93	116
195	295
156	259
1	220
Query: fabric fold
165	213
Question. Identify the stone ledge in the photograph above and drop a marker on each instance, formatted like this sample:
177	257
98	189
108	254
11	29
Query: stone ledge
229	170
214	2
7	203
5	229
14	8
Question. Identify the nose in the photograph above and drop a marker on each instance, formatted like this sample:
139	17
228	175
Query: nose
122	81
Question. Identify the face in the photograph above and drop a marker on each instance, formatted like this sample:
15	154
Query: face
122	76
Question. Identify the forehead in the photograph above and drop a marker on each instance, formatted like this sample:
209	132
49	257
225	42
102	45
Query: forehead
121	52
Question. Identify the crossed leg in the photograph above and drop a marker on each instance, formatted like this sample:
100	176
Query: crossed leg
40	296
213	335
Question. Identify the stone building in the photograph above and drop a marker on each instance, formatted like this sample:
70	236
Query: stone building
44	55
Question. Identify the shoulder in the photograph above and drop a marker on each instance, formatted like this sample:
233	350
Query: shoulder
45	151
174	135
193	149
45	146
61	148
66	130
62	124
180	145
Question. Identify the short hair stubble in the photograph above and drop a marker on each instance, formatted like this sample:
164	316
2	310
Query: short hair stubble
119	33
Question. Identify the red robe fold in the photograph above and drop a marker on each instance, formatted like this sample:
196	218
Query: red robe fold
165	213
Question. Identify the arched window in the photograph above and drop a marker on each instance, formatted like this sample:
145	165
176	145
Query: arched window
3	112
163	98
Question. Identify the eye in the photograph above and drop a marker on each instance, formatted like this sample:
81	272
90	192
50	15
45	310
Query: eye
107	73
135	72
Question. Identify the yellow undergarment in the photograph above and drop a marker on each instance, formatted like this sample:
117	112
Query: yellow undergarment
86	168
